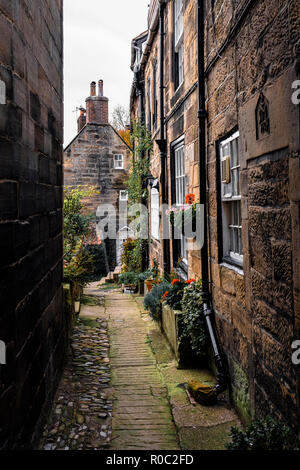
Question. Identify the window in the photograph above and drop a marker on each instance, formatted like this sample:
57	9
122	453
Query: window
178	43
231	200
180	183
155	96
149	104
123	195
119	162
155	214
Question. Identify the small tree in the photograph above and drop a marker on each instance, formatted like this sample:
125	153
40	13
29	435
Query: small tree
120	118
78	263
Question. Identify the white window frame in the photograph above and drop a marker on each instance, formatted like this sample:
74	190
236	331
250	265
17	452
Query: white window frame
118	162
231	200
155	212
178	39
178	21
180	189
123	195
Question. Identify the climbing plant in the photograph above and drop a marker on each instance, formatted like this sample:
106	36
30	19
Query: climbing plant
142	144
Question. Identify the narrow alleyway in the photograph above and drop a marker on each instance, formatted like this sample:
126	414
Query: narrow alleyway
131	396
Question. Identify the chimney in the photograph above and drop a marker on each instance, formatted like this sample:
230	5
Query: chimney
97	106
93	89
81	121
100	84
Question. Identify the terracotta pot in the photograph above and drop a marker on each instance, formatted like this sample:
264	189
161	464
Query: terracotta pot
149	284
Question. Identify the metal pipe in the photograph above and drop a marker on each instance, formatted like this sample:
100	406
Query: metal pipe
162	140
202	116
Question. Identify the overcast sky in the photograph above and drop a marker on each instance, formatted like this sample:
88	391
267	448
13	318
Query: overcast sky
98	36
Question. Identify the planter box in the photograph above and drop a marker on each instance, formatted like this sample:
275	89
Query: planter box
171	327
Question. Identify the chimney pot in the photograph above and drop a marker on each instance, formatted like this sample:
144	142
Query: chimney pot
100	87
93	89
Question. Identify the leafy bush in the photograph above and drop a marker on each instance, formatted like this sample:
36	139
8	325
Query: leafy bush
267	434
145	275
78	264
175	294
193	322
130	278
152	300
100	270
132	255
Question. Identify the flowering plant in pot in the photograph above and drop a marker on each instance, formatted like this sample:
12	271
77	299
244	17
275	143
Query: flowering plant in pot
184	215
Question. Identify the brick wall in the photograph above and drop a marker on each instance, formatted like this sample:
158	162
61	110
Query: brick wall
32	323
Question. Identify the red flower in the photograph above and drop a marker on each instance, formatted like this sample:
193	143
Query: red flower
165	294
175	281
190	198
189	281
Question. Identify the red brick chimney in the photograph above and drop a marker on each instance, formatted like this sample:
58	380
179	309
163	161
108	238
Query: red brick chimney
81	121
97	106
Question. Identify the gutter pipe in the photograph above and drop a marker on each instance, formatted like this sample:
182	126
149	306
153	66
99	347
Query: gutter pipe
202	116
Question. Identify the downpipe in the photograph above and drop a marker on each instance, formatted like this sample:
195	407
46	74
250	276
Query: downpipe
222	379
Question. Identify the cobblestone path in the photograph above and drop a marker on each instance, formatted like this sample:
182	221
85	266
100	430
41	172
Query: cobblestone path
81	415
142	417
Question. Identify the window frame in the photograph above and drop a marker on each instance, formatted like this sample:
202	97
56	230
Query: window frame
178	45
230	230
178	245
155	213
117	160
120	197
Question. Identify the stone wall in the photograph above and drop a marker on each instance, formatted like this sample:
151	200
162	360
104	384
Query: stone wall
251	51
256	306
32	323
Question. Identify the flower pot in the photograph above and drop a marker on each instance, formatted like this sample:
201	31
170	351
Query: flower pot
129	289
149	284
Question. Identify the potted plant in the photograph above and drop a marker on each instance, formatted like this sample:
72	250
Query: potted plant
129	281
184	216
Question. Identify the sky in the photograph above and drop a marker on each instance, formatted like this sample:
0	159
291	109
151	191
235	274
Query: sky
97	45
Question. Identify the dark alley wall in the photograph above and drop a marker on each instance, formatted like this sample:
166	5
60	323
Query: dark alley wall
32	323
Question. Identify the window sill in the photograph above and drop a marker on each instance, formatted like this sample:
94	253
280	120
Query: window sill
234	267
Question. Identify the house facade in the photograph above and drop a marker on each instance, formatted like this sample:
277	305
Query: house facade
99	157
215	84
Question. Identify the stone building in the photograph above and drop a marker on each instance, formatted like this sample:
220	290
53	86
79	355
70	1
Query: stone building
219	76
33	327
99	157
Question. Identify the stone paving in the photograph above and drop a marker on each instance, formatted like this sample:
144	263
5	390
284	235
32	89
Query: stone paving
121	389
82	412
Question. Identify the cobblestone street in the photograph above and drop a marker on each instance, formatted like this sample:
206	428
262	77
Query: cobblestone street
121	389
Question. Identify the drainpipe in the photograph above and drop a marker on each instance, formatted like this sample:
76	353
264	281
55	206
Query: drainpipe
202	116
162	143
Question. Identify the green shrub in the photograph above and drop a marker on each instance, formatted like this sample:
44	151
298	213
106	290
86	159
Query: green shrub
175	294
146	275
152	300
130	278
263	434
100	270
193	322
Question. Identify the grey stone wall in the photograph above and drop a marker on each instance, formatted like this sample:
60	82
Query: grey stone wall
32	322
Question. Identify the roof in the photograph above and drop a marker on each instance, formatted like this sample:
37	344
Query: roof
96	124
